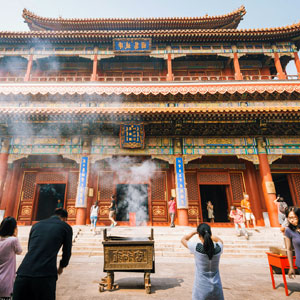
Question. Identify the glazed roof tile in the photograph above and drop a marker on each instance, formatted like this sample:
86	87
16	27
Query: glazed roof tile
176	35
230	20
150	89
25	111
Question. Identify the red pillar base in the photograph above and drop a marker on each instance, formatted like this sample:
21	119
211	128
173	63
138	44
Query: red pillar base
80	216
183	218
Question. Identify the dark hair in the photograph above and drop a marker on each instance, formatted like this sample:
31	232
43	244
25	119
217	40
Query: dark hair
208	245
172	198
280	199
61	213
232	207
8	226
113	196
96	203
296	210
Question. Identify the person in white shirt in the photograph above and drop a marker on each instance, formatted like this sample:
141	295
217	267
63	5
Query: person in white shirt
94	216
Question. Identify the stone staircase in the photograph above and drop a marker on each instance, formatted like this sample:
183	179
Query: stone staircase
167	240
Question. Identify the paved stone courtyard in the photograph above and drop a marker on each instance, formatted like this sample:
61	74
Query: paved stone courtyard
242	279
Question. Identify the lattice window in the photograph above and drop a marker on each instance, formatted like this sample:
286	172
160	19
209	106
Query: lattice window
237	186
158	186
213	178
72	185
51	177
105	185
192	186
296	179
28	186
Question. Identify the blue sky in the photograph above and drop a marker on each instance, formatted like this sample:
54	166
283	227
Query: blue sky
260	13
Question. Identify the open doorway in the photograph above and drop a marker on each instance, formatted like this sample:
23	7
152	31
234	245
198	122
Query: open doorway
48	196
217	195
282	187
132	198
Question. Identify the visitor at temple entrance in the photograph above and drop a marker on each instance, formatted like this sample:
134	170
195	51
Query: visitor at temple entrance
172	210
207	253
282	209
246	208
292	233
59	204
112	211
9	247
210	212
94	216
239	221
37	274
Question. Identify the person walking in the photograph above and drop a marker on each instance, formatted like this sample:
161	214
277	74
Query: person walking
246	207
292	233
38	272
112	211
9	247
210	212
172	210
207	253
239	221
94	216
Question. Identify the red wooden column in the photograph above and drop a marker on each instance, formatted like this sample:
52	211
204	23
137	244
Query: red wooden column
169	65
29	68
95	64
3	164
280	73
254	195
237	70
11	191
181	194
297	63
82	190
267	183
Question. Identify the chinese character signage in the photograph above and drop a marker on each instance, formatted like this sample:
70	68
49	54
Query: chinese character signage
82	183
180	182
132	45
132	136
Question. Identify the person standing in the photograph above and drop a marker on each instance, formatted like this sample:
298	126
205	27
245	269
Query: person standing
172	210
239	221
282	209
207	253
246	207
9	247
210	212
59	204
112	211
38	272
292	233
94	216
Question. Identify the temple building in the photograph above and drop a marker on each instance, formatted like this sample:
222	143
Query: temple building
146	109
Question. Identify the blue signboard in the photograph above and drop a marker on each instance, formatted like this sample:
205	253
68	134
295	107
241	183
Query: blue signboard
132	45
82	184
181	190
132	135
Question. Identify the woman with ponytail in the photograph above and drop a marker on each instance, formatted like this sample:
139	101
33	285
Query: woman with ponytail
207	253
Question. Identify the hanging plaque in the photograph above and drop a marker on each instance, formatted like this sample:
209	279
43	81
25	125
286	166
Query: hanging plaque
132	136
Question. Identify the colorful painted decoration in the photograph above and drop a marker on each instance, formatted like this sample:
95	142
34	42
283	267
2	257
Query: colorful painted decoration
132	136
82	184
132	45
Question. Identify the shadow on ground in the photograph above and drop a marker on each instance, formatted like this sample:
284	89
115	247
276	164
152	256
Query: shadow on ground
157	284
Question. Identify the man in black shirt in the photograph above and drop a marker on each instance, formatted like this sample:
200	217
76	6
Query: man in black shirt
37	274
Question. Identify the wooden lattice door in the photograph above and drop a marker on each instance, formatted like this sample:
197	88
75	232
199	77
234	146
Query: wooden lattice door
158	197
237	188
296	188
106	189
194	211
27	197
71	195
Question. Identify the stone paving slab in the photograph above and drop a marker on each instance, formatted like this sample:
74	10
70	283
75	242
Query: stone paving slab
242	279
